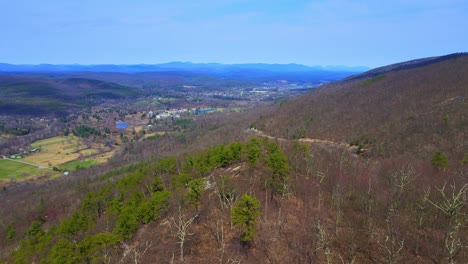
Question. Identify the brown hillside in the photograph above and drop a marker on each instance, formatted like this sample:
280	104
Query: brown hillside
416	110
270	200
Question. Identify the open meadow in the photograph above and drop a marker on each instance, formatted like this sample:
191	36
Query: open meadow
13	170
67	153
59	150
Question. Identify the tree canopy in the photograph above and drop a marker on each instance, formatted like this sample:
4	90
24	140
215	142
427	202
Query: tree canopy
245	213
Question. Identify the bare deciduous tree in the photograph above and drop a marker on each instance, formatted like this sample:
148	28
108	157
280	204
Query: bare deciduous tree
324	242
337	200
321	178
181	230
393	245
452	203
226	194
421	215
137	253
401	182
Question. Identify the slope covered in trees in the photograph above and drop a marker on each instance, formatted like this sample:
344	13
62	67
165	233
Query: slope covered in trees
261	201
28	95
267	200
418	110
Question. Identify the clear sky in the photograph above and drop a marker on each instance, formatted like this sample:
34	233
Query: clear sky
316	32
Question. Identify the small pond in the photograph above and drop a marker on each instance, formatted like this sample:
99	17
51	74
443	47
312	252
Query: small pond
121	125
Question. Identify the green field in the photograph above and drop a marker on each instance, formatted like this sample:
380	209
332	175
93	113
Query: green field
11	169
77	165
66	153
60	150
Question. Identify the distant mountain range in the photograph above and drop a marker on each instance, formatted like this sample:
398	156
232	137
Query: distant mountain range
48	88
210	68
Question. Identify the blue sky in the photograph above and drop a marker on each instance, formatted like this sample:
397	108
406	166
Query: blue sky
316	32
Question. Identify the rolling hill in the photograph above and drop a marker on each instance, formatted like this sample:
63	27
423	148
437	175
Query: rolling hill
413	107
42	96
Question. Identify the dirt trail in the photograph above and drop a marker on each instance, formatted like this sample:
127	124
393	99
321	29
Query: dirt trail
321	142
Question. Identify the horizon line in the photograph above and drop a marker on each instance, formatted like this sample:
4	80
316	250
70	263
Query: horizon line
187	62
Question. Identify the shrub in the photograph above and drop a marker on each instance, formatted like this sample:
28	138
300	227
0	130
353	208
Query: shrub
64	251
465	159
440	160
95	248
35	230
127	223
10	232
78	222
195	191
149	210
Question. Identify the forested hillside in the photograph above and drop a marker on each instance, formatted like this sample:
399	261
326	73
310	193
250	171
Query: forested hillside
262	201
417	109
39	96
368	170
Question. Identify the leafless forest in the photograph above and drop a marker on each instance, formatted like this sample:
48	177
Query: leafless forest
384	181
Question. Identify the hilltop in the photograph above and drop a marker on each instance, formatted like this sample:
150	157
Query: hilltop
26	95
417	63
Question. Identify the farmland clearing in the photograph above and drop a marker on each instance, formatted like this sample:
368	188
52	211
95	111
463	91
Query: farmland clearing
13	170
62	149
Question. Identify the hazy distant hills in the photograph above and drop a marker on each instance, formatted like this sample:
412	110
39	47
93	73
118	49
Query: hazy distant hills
177	66
417	107
169	75
46	88
183	70
42	96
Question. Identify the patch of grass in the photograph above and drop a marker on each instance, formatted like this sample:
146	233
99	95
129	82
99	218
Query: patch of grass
61	140
142	103
165	100
153	137
89	152
77	165
69	147
11	169
184	122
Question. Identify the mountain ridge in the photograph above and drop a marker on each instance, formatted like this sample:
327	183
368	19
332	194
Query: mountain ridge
170	66
412	107
407	65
